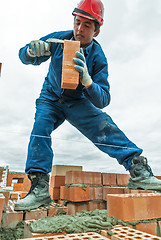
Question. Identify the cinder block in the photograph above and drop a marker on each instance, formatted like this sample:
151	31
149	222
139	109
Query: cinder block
82	177
131	207
109	178
57	181
78	194
150	227
122	233
11	218
60	170
2	200
36	214
95	193
70	77
122	179
113	190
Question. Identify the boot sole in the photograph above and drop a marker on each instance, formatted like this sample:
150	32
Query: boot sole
36	205
141	187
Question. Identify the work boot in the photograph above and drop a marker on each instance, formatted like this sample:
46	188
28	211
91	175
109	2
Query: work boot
142	176
38	194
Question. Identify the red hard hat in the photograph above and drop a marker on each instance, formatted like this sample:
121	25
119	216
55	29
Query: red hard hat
91	9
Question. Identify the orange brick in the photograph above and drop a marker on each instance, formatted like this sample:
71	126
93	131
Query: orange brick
131	207
122	233
78	194
70	77
92	205
36	214
150	227
82	177
73	236
139	191
74	207
63	193
109	178
60	170
122	179
95	193
16	195
52	211
57	181
55	193
11	218
2	200
6	194
18	187
112	190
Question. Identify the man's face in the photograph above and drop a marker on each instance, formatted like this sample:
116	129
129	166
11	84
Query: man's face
84	30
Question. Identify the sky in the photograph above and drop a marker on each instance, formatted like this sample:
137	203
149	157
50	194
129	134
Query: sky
131	40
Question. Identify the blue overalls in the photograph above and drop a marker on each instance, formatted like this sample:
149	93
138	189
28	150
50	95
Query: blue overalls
80	107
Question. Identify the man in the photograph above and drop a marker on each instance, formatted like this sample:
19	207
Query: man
80	107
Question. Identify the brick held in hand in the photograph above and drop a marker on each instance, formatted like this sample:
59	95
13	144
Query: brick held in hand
70	77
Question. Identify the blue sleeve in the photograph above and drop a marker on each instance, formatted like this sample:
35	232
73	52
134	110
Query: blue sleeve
26	59
99	92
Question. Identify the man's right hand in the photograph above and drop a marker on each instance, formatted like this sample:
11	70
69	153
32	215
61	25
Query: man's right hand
38	48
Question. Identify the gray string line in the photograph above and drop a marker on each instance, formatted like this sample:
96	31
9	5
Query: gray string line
101	144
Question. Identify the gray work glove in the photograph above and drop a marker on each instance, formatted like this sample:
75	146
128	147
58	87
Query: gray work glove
38	48
81	67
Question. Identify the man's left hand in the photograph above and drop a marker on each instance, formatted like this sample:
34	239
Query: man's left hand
81	67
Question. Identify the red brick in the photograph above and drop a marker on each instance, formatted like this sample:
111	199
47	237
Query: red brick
150	227
95	193
72	236
92	205
55	193
131	207
78	194
52	211
112	190
11	218
63	193
2	200
122	179
57	181
82	177
18	187
22	178
109	178
122	233
70	77
74	207
36	214
60	170
6	194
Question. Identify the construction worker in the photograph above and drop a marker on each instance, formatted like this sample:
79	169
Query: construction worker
80	107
